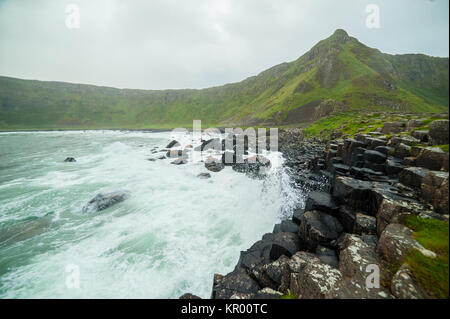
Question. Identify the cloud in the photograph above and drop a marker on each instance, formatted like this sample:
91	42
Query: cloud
161	44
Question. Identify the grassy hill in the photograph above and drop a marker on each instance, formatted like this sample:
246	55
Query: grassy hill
337	72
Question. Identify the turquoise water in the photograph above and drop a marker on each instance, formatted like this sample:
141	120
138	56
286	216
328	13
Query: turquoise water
172	234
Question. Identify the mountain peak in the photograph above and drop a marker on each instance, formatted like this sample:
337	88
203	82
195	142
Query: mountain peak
340	35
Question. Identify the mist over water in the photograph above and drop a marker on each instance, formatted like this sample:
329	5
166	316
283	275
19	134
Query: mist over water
168	238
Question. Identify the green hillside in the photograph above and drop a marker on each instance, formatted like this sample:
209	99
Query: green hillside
339	68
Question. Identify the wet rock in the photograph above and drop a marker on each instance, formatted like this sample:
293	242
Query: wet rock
213	143
386	150
284	244
189	296
393	167
294	266
435	190
439	131
413	176
350	288
103	201
297	215
226	286
375	157
173	143
321	201
213	165
286	226
327	256
70	160
318	228
365	224
270	275
396	242
174	153
179	161
204	175
355	193
403	285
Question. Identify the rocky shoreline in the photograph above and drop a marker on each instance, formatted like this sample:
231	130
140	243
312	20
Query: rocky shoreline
351	240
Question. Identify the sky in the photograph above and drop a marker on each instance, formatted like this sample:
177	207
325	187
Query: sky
172	44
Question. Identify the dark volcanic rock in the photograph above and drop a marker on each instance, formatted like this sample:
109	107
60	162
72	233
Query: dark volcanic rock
226	286
284	244
103	201
439	131
321	201
413	176
189	296
318	228
70	160
204	175
375	157
327	256
213	165
286	226
173	143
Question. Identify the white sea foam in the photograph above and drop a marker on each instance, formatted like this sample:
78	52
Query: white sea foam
170	237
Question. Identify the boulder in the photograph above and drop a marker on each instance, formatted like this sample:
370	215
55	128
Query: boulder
393	167
422	136
402	150
314	281
179	161
413	176
375	157
286	226
213	143
213	165
354	257
226	286
321	201
365	224
327	256
297	215
70	160
355	193
204	175
393	127
396	242
103	201
318	228
433	158
439	132
404	286
434	189
386	150
391	211
284	244
267	293
350	288
173	143
174	153
270	275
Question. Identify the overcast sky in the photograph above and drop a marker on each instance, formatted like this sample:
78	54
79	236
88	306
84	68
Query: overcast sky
158	44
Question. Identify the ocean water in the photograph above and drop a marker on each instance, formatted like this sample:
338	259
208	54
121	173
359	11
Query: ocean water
168	238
